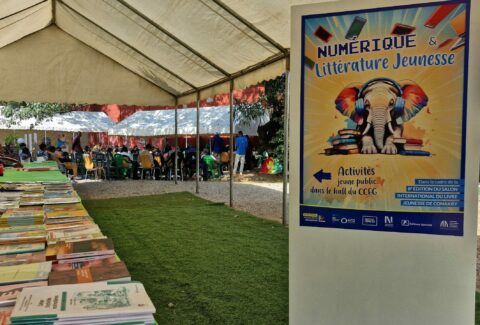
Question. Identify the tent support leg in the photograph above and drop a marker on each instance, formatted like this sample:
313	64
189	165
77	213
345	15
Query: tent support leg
176	141
286	115
231	143
197	159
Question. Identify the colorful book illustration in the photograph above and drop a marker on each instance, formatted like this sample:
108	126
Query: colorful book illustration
351	132
459	43
346	142
414	153
24	258
86	303
85	248
25	273
21	248
410	147
355	28
323	34
407	141
9	293
445	43
74	234
439	14
402	29
309	62
23	216
115	271
459	23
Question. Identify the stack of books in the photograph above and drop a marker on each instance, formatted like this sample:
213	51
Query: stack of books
48	241
410	147
345	143
61	197
65	213
99	303
69	235
23	216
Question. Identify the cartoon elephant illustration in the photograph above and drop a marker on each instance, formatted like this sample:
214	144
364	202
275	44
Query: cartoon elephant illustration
380	107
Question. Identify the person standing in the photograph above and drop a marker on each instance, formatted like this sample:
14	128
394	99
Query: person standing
76	145
241	146
217	145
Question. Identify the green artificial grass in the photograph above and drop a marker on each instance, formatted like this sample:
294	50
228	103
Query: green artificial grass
215	264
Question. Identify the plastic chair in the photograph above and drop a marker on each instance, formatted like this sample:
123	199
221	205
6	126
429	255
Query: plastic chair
89	166
147	166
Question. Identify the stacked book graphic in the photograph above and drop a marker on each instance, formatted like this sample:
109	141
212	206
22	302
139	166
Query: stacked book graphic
345	143
410	147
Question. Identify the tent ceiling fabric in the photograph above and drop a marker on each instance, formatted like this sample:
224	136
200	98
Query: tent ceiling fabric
181	46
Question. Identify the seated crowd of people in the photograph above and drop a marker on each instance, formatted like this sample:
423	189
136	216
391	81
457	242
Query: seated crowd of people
115	162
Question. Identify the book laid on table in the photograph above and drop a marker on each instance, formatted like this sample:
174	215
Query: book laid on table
79	263
352	132
85	248
21	248
65	211
24	237
25	258
335	151
9	293
25	273
88	303
407	141
67	225
74	234
116	271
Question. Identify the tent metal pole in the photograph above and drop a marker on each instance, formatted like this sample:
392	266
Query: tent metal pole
286	116
231	144
176	140
197	159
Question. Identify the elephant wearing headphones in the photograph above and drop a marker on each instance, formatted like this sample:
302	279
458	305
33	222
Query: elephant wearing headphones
379	108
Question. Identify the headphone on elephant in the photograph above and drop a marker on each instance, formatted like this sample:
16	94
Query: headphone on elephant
399	101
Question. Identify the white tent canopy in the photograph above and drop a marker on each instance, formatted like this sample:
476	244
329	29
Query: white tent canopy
178	47
146	123
162	122
76	121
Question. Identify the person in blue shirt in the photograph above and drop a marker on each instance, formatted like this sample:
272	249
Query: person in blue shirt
241	146
217	145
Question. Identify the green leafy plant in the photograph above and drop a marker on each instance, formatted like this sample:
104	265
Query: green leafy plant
14	112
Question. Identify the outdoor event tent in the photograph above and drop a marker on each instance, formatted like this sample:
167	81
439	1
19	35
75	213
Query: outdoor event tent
77	121
143	52
162	122
146	123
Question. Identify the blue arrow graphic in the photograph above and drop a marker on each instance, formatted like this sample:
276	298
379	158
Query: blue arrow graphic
320	175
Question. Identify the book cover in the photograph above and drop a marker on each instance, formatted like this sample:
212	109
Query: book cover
25	237
114	271
346	146
25	273
334	151
25	258
414	153
349	132
344	141
21	248
74	264
80	249
9	293
407	141
88	300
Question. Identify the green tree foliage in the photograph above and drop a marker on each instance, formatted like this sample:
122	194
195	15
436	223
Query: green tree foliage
14	112
271	134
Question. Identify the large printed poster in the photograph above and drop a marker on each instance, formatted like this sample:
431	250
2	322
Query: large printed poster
383	106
